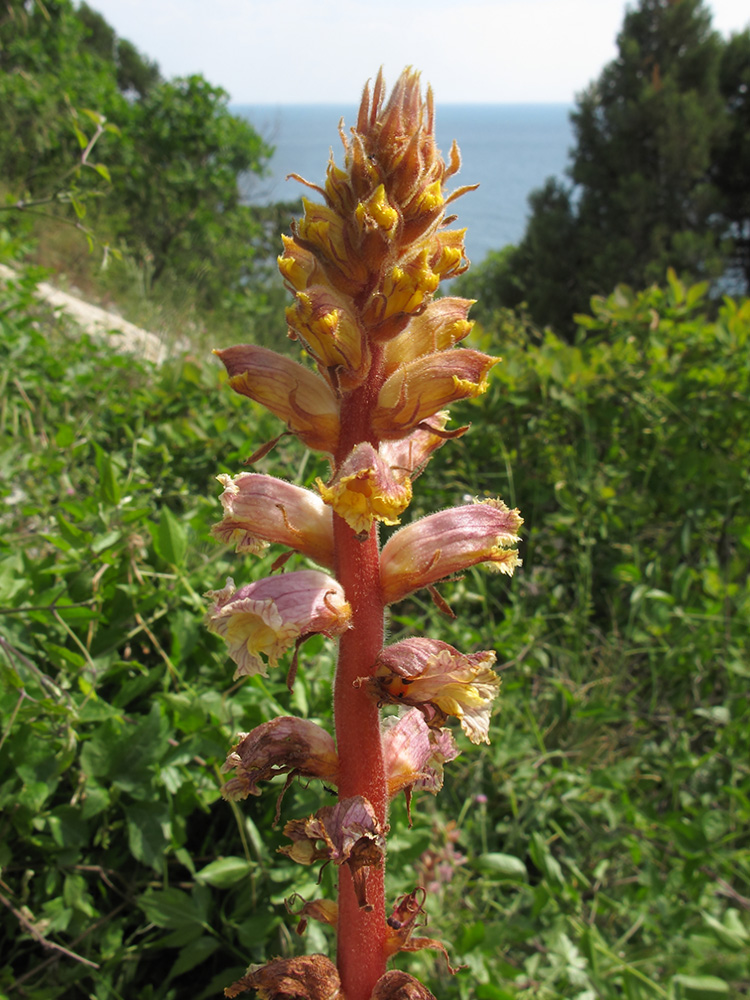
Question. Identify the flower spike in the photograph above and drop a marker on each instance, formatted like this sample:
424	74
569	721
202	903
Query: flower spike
384	358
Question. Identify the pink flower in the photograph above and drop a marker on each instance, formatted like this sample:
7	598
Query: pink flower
449	542
261	509
419	388
441	325
266	618
414	754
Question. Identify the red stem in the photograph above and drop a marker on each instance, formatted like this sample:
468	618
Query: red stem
361	933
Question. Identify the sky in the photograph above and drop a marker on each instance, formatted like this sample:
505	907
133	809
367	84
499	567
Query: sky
323	51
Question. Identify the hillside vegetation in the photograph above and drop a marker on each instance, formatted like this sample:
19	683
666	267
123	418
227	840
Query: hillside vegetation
598	848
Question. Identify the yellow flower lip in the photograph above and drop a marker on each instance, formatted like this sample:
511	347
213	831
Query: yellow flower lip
325	322
433	675
366	489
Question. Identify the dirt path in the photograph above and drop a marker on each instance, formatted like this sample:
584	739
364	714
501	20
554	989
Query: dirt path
121	335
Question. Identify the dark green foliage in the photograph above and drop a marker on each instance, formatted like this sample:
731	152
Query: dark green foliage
659	172
134	72
47	77
731	168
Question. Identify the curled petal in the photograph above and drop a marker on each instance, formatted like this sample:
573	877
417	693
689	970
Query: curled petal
347	833
282	746
414	754
260	509
441	681
299	397
449	542
312	977
366	489
421	387
442	325
398	985
265	618
325	911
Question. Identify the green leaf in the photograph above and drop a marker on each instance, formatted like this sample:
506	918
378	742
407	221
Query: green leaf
170	541
109	489
503	865
224	872
80	136
193	954
170	908
102	171
147	837
699	988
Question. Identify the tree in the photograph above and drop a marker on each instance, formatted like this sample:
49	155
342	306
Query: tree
660	170
182	154
731	166
47	75
645	135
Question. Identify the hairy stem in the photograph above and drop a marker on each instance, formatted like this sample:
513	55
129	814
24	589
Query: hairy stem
361	932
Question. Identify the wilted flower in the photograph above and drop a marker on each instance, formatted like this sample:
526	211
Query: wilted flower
282	746
427	672
398	985
313	977
347	833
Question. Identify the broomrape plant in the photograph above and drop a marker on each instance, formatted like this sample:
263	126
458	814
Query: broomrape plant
363	268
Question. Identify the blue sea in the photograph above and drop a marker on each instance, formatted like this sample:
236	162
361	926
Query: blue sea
509	149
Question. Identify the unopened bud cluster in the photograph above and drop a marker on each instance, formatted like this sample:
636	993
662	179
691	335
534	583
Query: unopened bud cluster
382	364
